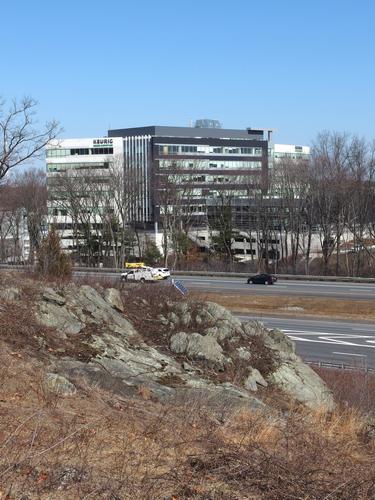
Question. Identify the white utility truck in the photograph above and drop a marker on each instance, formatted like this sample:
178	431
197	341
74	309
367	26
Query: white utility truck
141	275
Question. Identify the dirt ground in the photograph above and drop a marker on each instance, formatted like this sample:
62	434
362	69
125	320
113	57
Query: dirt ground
294	306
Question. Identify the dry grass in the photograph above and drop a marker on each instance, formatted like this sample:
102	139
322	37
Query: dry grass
273	304
351	388
95	445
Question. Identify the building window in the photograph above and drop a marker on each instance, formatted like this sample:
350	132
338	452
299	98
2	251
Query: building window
53	153
101	151
247	151
188	149
80	151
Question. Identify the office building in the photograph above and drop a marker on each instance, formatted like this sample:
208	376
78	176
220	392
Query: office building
202	163
189	172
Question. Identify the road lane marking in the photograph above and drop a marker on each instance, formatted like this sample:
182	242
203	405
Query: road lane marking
337	339
350	354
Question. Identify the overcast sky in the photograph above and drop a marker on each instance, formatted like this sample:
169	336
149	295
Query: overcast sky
296	66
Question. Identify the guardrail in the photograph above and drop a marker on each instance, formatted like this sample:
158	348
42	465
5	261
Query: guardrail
340	366
216	274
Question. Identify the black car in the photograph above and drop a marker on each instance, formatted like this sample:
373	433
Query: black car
262	279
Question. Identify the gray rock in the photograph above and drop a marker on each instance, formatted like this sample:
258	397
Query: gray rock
198	346
59	317
282	341
226	324
243	353
301	382
212	319
173	319
90	307
163	320
11	293
274	339
179	343
113	297
124	361
254	378
222	395
60	385
49	295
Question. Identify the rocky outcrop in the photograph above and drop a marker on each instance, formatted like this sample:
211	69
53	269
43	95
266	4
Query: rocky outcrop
290	374
82	306
203	350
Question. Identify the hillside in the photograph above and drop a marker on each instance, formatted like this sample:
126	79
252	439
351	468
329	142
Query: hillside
140	393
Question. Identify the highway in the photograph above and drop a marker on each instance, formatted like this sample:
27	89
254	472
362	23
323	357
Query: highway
338	342
349	291
326	289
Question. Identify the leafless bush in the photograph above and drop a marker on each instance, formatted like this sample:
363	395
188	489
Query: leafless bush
52	261
353	388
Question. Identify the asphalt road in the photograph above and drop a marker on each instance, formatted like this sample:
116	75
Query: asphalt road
326	289
338	342
349	291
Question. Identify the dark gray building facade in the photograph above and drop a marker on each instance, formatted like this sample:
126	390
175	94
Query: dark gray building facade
195	167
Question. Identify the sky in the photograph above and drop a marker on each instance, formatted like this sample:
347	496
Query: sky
299	67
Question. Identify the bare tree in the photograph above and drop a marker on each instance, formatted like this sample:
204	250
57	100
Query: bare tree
361	201
119	199
20	141
291	190
329	183
78	195
98	206
222	224
176	189
32	197
11	224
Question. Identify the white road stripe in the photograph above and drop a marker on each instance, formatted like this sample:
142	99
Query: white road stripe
350	354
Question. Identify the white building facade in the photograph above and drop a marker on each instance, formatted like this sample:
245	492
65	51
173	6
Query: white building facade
74	164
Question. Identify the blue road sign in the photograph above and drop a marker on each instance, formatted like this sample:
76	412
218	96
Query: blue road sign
180	286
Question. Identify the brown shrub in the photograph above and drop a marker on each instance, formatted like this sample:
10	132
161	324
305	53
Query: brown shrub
52	261
353	388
